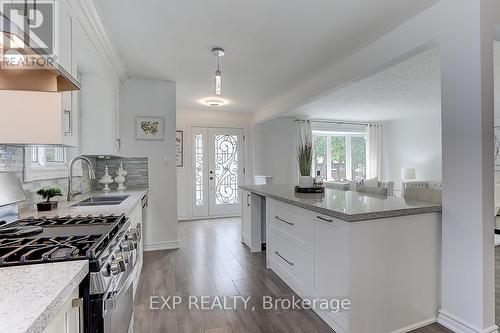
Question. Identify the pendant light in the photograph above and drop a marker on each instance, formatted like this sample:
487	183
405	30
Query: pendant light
218	52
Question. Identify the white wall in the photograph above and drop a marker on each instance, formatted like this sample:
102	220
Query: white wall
412	143
275	147
189	118
154	98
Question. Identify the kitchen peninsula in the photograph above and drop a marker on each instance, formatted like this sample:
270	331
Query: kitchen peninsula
382	253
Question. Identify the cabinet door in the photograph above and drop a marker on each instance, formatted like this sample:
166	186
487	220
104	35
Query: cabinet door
331	266
64	46
67	320
246	217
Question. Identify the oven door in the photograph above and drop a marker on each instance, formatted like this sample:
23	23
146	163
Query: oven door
118	304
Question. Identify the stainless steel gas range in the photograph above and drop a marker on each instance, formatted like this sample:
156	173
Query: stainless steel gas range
107	242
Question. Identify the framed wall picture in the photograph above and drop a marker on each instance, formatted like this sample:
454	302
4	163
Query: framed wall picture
179	148
149	128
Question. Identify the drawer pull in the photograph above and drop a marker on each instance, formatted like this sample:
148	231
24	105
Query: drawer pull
287	261
284	221
323	219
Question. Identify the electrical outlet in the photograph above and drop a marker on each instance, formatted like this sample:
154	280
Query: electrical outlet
166	161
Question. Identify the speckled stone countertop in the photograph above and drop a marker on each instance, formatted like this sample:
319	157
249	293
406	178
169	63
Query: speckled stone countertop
349	206
32	295
66	208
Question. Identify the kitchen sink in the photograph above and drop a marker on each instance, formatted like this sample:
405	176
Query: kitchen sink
108	200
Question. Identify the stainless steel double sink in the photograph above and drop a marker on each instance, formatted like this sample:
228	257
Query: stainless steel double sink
108	200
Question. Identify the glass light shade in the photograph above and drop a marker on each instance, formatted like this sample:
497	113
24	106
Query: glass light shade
218	83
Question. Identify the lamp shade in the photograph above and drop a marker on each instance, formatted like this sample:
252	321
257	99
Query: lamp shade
408	174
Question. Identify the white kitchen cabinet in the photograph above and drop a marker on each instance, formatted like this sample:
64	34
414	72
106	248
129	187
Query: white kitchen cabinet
67	320
246	217
65	48
331	277
99	116
251	222
376	265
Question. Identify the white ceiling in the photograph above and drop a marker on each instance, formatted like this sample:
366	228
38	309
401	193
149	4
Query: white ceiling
271	45
410	88
407	89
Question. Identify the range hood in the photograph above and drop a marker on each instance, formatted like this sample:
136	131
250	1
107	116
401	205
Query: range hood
25	66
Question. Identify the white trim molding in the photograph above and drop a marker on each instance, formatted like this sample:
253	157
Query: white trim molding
97	29
168	245
458	325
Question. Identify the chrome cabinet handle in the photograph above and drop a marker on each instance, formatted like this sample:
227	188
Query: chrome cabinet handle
248	200
78	303
287	261
323	219
284	221
70	123
118	143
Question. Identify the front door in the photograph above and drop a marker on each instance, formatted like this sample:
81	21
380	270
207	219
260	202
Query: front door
217	171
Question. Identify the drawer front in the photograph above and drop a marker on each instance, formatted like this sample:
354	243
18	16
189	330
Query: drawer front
294	224
292	264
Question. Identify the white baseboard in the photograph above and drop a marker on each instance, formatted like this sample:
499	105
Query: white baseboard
416	325
458	325
170	245
196	218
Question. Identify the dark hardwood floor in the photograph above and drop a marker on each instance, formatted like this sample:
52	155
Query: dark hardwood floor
213	262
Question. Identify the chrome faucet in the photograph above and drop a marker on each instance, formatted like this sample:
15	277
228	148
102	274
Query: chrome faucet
71	193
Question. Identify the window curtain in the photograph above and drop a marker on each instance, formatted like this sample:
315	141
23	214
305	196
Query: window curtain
304	132
373	150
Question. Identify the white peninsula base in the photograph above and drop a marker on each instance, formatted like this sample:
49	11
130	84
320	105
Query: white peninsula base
386	267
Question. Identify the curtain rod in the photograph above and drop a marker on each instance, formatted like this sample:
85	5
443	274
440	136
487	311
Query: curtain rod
337	122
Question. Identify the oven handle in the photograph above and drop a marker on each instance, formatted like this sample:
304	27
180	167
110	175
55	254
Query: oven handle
111	299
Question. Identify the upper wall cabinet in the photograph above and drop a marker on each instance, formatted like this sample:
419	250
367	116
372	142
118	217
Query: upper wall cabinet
100	133
65	49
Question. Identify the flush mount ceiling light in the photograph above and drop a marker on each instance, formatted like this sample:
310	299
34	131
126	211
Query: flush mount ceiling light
218	52
214	102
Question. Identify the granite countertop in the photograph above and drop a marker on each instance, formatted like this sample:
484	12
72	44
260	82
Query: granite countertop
349	206
66	208
32	295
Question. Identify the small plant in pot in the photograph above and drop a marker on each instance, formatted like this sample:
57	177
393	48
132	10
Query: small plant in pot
47	194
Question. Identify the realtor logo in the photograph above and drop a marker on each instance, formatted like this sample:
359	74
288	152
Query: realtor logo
35	18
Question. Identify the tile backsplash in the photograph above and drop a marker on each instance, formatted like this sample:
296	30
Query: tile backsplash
136	167
12	160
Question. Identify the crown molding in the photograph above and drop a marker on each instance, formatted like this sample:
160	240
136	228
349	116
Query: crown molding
91	18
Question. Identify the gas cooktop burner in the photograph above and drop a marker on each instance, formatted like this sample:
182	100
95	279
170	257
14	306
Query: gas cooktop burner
37	240
70	220
19	231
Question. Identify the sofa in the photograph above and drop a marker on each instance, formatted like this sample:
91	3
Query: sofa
383	188
430	191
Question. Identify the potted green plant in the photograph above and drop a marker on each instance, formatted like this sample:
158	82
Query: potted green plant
47	194
304	158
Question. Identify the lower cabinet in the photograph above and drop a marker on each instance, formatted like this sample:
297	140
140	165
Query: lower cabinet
67	320
331	278
246	217
386	271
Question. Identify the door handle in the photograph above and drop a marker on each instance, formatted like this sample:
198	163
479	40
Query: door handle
70	123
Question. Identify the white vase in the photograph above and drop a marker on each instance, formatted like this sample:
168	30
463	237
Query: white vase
306	181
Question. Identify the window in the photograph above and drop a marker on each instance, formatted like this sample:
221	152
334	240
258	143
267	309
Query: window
45	163
339	156
47	155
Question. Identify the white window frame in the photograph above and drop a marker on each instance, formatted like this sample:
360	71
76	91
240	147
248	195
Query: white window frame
53	170
348	150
